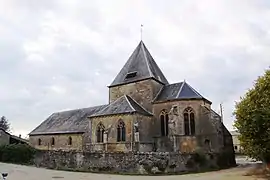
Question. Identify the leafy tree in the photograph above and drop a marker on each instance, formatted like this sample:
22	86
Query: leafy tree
253	119
4	124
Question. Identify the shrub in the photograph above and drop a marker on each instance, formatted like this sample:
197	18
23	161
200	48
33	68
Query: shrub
17	153
197	159
226	159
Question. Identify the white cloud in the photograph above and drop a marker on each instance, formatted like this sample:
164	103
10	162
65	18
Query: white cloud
57	89
58	55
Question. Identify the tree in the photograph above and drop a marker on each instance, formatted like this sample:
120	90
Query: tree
4	124
253	119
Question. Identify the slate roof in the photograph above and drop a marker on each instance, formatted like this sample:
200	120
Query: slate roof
123	105
143	63
2	129
19	139
73	121
13	136
178	91
214	114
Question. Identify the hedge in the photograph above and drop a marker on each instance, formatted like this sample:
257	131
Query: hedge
17	153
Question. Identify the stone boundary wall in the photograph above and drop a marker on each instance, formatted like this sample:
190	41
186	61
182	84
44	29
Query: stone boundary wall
126	163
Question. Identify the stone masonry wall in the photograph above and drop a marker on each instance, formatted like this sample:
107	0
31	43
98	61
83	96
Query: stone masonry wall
207	128
142	91
60	142
111	122
129	163
182	105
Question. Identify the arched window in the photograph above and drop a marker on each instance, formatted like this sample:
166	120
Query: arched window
100	133
121	131
39	142
52	141
164	122
189	121
69	140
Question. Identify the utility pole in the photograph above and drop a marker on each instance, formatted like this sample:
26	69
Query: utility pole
221	112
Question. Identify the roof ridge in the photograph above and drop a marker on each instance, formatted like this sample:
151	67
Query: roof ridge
159	92
194	90
129	103
146	60
133	54
144	64
139	105
105	106
180	90
4	130
174	83
77	109
215	112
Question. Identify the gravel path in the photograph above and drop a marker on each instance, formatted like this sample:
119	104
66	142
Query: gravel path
18	172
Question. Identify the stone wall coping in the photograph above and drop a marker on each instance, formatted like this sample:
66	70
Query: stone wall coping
126	142
124	153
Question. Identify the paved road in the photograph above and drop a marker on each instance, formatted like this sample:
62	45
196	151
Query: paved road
245	160
18	172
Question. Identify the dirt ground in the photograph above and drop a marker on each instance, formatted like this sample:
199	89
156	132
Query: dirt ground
19	172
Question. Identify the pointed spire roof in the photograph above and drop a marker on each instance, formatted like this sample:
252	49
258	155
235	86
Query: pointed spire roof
139	66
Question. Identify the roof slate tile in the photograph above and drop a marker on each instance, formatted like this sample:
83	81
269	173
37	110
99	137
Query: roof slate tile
143	63
73	121
178	91
123	105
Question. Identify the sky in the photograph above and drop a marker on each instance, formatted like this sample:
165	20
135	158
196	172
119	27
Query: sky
57	55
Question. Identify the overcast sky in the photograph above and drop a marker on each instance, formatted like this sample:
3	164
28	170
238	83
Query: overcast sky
61	54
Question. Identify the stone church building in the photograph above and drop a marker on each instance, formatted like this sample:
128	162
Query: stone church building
144	113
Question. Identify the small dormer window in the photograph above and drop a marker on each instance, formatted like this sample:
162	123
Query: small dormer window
131	74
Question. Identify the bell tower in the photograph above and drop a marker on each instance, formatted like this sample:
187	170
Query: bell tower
140	78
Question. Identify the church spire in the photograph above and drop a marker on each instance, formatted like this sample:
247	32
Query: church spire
139	66
141	31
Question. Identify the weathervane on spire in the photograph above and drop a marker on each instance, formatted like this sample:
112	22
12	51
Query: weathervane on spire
141	31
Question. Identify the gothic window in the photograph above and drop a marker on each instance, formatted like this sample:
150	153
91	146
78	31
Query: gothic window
39	142
100	133
69	141
121	131
164	122
189	121
52	141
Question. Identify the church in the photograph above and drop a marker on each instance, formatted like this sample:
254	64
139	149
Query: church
145	113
